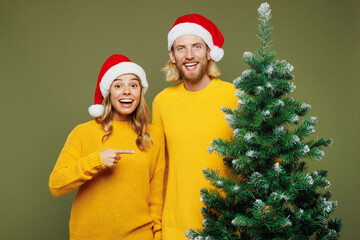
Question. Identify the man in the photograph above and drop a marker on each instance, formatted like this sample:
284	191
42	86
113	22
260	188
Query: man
189	114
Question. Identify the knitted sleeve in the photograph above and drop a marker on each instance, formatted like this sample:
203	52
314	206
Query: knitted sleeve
157	184
72	169
156	117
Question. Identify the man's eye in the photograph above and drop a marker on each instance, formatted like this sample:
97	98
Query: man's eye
180	49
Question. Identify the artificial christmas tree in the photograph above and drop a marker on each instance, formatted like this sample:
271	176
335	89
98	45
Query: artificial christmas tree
271	194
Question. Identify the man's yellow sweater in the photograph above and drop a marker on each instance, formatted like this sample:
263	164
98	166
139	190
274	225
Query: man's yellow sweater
190	121
123	202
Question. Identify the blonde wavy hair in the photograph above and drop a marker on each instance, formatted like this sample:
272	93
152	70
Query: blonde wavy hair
139	121
172	73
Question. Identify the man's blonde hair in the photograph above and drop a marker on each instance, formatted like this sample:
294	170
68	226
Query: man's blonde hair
172	74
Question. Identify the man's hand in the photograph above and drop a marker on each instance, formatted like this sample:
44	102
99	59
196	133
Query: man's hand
110	157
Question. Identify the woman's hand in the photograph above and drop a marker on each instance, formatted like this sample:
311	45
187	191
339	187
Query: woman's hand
110	157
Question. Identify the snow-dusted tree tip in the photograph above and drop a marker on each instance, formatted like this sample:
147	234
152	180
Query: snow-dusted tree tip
264	11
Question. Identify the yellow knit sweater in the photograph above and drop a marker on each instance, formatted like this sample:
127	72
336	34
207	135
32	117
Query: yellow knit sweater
190	121
124	202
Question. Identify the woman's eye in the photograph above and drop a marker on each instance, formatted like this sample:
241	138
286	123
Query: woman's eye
117	86
134	85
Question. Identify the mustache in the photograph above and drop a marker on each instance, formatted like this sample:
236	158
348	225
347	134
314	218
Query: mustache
190	62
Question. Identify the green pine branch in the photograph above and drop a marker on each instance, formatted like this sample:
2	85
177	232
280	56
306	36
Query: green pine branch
269	193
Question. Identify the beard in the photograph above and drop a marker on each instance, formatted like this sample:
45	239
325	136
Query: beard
193	76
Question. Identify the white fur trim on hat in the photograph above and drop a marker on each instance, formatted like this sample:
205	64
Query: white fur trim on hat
182	29
216	53
120	69
96	110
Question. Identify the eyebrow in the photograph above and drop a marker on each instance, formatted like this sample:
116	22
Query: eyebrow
194	44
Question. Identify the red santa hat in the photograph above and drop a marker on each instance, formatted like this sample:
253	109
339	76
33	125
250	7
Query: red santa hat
195	24
113	67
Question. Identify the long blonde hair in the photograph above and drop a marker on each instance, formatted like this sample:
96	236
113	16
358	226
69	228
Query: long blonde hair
172	73
139	120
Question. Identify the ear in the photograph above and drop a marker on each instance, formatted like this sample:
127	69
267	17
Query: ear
208	54
172	57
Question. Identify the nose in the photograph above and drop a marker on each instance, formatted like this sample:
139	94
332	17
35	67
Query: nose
126	90
189	54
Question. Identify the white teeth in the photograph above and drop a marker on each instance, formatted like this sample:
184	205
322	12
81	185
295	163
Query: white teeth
126	101
190	64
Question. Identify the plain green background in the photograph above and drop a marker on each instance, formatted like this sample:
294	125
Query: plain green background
51	53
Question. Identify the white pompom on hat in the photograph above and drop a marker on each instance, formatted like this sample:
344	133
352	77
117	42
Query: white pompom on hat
195	24
113	67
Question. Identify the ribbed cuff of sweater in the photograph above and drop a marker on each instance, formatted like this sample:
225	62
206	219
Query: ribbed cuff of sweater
93	163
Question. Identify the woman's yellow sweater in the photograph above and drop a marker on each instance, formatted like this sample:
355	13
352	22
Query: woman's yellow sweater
124	202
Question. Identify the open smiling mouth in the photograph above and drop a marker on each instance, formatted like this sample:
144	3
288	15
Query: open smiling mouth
126	102
190	66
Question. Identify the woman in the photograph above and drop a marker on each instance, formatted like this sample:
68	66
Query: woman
116	161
